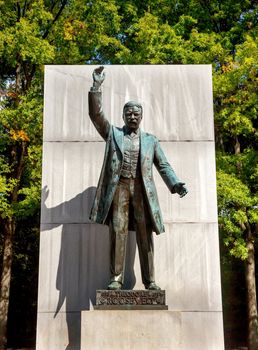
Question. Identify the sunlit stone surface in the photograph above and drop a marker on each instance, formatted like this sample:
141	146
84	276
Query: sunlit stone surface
177	105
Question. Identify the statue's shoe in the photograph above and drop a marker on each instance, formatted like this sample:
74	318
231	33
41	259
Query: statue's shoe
152	286
114	285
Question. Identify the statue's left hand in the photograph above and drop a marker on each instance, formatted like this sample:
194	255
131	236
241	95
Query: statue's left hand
181	189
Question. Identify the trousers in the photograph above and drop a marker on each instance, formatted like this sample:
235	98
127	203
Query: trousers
129	195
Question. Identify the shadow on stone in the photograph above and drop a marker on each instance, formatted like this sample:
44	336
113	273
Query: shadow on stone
83	261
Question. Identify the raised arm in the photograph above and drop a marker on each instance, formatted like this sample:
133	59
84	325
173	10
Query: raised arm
95	104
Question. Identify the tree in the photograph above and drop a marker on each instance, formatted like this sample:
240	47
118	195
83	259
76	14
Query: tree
23	49
237	161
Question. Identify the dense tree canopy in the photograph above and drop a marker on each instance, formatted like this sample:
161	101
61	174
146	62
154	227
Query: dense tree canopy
37	32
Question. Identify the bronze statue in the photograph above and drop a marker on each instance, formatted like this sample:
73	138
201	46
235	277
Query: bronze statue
126	182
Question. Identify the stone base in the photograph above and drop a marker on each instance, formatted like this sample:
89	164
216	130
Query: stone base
152	330
130	300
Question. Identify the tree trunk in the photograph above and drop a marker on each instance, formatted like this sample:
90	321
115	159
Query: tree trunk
251	293
9	229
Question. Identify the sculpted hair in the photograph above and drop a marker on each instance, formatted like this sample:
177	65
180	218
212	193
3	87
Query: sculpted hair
131	104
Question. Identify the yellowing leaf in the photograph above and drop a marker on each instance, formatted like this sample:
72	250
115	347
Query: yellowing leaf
19	135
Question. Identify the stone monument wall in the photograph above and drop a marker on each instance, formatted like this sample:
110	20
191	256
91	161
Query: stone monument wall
74	261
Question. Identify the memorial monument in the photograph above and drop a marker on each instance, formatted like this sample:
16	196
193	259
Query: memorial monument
126	182
74	251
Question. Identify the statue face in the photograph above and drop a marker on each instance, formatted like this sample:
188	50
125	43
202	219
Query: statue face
132	117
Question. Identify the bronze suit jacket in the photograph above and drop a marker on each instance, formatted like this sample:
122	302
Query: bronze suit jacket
150	153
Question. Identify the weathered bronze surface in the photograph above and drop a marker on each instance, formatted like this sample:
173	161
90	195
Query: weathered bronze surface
126	196
130	299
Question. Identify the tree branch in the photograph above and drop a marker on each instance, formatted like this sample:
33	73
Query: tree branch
63	4
19	170
53	5
18	11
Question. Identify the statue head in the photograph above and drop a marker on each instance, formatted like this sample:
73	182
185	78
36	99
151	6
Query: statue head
132	114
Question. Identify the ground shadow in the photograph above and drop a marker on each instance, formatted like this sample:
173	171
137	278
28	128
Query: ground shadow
83	260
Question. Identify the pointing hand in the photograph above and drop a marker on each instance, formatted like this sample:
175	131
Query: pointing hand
181	189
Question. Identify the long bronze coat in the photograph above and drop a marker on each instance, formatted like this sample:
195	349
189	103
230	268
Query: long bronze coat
150	153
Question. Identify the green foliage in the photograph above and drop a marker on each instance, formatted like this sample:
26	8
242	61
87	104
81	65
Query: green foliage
6	188
23	38
235	89
156	42
236	209
30	193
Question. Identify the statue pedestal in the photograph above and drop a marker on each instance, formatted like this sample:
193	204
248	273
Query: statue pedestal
130	300
152	330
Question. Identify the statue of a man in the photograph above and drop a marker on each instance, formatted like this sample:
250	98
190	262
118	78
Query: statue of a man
126	196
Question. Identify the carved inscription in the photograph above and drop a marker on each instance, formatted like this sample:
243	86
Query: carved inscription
130	297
